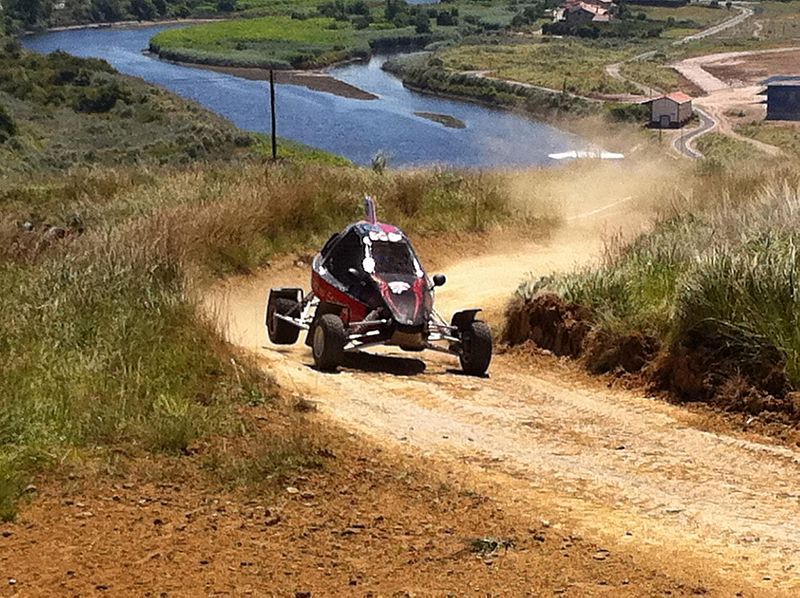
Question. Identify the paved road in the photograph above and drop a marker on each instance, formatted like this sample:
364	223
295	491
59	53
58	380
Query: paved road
684	143
744	14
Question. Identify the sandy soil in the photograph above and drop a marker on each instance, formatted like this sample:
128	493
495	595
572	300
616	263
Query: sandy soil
315	80
370	524
751	69
632	473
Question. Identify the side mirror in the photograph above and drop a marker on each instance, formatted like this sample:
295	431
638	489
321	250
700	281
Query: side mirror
439	280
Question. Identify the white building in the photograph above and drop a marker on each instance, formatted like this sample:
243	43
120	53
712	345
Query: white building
670	110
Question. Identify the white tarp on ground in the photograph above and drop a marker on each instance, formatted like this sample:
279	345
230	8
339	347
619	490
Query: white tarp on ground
586	154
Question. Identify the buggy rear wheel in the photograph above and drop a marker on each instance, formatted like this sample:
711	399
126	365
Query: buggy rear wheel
280	331
328	341
476	348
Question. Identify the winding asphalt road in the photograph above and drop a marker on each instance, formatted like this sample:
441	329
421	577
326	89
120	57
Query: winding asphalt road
684	143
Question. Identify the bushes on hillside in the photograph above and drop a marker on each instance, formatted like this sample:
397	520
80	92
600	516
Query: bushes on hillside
8	128
101	95
623	28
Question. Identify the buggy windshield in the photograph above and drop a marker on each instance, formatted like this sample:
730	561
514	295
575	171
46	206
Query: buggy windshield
392	258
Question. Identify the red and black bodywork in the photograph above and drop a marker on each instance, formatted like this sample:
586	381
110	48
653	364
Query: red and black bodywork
372	271
369	281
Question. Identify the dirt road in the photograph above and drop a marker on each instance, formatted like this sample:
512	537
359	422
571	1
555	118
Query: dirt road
633	471
726	98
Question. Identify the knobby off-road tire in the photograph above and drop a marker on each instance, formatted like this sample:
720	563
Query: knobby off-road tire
328	341
280	331
476	348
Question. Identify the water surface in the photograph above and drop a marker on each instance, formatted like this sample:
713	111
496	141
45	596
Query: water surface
356	129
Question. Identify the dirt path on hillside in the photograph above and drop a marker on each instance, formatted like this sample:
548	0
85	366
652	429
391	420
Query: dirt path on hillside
632	471
734	95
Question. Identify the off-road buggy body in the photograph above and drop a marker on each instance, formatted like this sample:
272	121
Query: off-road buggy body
368	288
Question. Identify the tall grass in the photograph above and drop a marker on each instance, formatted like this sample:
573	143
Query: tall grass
719	271
232	218
100	341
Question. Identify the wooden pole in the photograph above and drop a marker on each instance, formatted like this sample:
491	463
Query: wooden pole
272	111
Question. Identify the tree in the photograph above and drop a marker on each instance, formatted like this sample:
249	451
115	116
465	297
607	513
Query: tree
421	22
226	5
144	10
31	13
107	10
394	8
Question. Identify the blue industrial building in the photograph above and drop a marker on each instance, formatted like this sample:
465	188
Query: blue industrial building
783	97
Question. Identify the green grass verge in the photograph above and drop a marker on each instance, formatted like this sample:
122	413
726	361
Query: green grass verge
280	42
296	151
722	149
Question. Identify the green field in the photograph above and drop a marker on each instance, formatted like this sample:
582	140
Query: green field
687	17
575	65
279	42
652	72
783	135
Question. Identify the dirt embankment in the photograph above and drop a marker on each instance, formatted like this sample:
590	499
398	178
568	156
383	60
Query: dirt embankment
696	371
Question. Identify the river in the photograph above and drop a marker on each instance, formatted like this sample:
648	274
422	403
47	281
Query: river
356	129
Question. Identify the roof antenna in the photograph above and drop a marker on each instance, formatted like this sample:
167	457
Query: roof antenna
371	213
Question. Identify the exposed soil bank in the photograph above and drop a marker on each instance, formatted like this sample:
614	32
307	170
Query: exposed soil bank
701	370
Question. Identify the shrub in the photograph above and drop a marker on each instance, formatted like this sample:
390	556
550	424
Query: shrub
718	283
8	127
101	96
421	23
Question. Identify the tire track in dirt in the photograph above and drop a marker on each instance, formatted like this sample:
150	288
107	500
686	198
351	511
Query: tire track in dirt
620	467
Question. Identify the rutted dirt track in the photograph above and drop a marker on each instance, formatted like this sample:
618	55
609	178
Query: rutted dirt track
633	471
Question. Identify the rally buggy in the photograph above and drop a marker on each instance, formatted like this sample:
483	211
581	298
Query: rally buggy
368	288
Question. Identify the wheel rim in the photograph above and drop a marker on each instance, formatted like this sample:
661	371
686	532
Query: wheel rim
319	341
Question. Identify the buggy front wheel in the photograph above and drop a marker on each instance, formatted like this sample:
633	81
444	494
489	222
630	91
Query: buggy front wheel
476	348
327	343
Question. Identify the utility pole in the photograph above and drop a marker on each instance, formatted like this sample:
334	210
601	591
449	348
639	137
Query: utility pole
272	111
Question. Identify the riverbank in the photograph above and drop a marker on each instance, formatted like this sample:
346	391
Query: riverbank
121	25
314	80
608	123
283	42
